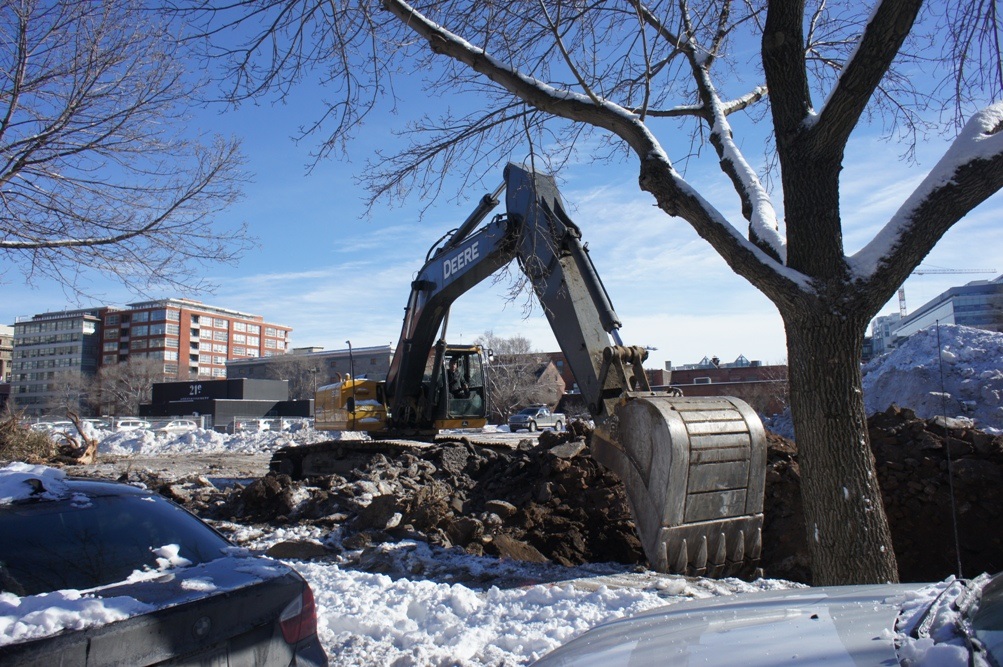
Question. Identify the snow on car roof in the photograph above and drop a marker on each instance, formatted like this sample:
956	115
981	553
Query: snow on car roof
23	481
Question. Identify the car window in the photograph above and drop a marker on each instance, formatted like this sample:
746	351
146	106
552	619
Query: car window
49	546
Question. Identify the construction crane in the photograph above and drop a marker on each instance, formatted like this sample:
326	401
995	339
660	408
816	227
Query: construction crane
933	271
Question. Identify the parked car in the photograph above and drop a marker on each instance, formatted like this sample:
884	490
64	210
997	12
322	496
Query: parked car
536	417
131	424
102	573
955	622
251	426
55	427
176	426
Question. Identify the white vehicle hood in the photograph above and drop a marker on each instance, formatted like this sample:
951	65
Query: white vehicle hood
843	625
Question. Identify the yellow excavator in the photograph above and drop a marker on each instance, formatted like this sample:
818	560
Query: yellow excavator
693	468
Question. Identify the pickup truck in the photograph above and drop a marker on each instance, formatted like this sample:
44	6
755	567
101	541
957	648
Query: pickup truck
536	417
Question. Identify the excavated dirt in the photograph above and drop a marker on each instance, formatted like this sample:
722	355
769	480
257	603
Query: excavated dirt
551	501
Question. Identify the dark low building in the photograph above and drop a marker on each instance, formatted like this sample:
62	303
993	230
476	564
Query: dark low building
222	402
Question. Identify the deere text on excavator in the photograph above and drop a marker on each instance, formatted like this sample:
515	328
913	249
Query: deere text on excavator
693	468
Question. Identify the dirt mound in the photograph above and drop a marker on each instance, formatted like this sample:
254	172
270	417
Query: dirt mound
550	501
912	457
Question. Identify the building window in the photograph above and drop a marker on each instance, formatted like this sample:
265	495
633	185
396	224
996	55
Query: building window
253	340
141	330
111	320
158	329
171	342
110	358
239	338
141	316
219	372
270	343
239	326
110	347
171	356
111	334
239	351
219	323
174	329
219	335
253	329
137	345
270	331
174	316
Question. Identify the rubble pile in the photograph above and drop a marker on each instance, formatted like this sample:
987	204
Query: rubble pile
550	501
547	502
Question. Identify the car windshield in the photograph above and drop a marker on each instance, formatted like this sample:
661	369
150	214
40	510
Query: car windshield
528	411
69	544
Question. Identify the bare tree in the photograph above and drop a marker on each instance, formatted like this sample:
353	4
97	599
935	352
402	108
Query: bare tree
301	372
515	376
650	80
123	387
99	168
68	392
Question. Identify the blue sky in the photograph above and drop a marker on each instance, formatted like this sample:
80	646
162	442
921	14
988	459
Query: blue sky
334	276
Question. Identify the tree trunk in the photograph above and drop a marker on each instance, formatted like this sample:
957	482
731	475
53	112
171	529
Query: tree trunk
848	536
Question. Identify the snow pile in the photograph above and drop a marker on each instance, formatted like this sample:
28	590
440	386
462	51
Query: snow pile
21	481
502	613
150	443
959	375
34	616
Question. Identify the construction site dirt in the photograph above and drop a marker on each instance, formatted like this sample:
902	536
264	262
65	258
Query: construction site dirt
546	499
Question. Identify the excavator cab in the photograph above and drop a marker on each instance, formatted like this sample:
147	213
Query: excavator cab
455	377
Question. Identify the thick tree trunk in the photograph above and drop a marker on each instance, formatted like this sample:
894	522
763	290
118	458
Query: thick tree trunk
848	536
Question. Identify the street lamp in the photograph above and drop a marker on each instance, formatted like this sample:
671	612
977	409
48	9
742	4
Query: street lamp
351	370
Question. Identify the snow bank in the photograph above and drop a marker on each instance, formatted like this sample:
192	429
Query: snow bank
150	443
960	377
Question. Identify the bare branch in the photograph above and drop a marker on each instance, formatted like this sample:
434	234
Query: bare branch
95	171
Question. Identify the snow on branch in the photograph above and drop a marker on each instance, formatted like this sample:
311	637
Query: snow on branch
980	144
763	225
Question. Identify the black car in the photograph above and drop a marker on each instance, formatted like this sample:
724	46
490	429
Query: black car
102	573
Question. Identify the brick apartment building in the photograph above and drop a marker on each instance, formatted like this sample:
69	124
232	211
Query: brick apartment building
192	340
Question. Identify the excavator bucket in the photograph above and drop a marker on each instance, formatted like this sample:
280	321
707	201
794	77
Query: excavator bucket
694	471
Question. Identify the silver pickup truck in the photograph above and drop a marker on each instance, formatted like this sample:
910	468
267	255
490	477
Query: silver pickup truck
536	417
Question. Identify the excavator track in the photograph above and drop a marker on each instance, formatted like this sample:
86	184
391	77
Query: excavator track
338	457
